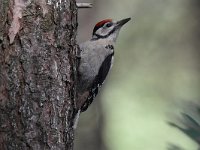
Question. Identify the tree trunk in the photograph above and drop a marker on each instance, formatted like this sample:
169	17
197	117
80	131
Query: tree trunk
37	74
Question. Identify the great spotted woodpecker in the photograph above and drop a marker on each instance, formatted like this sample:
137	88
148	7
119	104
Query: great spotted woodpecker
96	58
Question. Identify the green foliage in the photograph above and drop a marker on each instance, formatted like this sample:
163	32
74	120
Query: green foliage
156	68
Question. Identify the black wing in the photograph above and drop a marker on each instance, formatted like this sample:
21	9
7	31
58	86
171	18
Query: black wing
99	79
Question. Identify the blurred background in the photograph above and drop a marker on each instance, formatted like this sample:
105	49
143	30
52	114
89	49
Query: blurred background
150	100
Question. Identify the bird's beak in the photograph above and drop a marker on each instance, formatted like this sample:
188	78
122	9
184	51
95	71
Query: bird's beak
120	23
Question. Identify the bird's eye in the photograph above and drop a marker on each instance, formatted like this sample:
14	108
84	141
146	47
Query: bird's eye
109	24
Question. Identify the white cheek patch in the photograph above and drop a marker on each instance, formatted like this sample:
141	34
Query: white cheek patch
104	31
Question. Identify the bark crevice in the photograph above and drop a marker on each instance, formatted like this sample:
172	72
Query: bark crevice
37	72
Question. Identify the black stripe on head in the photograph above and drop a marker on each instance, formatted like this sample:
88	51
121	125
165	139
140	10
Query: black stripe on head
104	36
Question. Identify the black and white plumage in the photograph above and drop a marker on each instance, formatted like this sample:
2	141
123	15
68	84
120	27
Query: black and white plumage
96	60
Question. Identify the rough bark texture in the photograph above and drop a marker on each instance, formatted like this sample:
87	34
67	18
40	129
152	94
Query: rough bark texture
37	72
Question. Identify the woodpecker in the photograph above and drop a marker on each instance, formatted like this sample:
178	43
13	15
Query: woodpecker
96	59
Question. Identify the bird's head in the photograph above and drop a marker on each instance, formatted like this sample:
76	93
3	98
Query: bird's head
108	29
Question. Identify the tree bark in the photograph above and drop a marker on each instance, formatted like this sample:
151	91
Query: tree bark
37	74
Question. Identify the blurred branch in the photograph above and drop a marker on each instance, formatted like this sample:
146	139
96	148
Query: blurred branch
84	5
192	127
